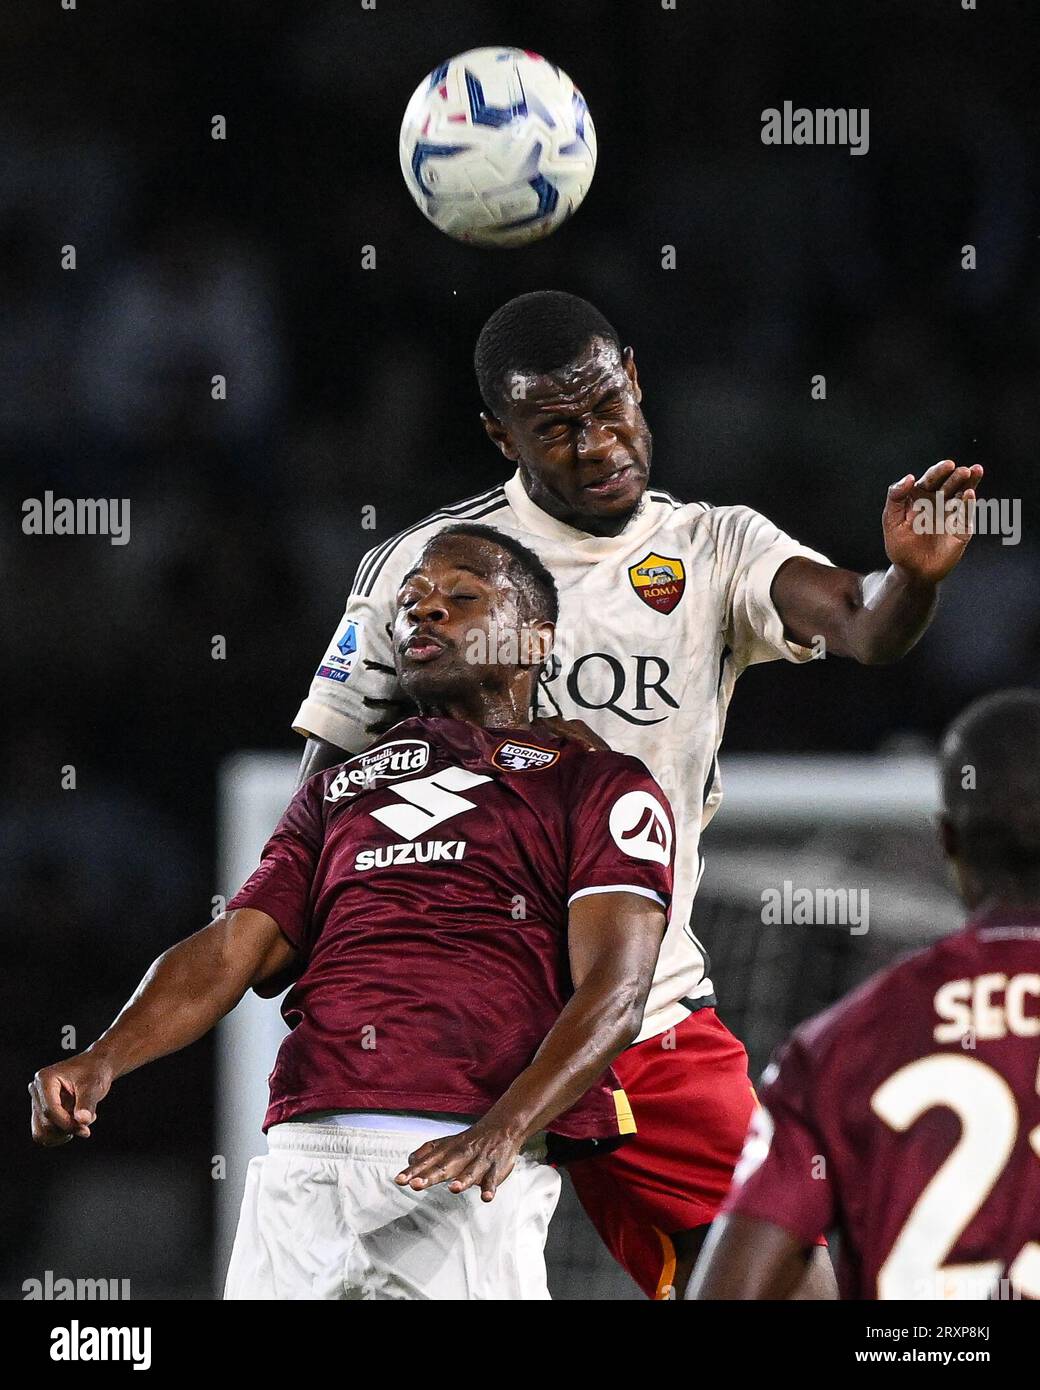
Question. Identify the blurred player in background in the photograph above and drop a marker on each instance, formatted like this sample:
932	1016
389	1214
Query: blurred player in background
471	912
663	604
908	1115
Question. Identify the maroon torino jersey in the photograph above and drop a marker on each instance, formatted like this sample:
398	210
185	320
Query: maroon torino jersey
426	884
908	1115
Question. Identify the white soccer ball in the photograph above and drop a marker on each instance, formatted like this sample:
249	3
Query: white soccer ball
498	147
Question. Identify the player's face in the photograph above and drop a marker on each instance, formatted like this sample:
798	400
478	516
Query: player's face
580	438
458	628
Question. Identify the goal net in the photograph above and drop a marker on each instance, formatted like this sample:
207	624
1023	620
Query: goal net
819	871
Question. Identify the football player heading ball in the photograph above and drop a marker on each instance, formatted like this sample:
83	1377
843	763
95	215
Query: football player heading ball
663	604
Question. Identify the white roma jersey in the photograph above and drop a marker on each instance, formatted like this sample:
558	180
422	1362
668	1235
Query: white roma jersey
655	626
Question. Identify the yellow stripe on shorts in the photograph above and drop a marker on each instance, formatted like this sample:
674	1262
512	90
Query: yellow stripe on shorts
626	1121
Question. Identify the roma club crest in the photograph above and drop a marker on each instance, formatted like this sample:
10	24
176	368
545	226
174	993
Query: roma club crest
659	581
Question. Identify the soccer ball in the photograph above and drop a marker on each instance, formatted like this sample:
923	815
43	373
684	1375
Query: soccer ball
498	147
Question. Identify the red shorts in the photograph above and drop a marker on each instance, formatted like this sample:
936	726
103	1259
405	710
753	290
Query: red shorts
692	1101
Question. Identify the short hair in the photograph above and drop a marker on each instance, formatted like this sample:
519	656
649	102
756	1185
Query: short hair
990	770
539	596
535	333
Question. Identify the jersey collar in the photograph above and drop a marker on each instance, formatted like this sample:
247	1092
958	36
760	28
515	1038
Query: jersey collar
644	521
1027	916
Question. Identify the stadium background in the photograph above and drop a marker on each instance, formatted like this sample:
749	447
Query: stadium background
351	388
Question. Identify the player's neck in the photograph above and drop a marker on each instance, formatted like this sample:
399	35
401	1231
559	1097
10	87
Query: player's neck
1007	900
487	709
559	511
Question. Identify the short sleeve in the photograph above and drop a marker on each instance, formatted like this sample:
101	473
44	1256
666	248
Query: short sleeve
749	551
783	1175
356	673
622	835
281	885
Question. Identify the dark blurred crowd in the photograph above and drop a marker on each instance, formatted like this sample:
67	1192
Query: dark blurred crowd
347	388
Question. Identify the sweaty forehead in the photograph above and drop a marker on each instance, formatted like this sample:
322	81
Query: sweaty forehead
594	370
473	553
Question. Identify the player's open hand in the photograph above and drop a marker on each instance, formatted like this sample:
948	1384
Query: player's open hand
929	521
480	1156
65	1098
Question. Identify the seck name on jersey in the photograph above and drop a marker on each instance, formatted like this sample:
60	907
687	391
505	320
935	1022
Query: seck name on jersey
988	1008
428	852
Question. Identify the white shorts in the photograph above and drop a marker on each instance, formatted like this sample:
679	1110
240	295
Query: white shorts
322	1218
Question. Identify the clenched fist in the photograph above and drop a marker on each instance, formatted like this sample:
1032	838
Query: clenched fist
65	1098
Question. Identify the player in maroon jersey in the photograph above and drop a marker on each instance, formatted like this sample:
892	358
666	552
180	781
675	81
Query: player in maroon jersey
471	912
908	1115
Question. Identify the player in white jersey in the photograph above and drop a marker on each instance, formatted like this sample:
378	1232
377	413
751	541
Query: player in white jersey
663	604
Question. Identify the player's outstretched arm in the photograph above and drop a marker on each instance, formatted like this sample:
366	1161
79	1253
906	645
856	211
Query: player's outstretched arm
744	1258
877	618
182	996
614	939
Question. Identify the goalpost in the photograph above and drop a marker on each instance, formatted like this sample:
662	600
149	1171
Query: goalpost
789	830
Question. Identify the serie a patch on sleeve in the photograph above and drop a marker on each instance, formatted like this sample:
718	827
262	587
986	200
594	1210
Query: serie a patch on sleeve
340	659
